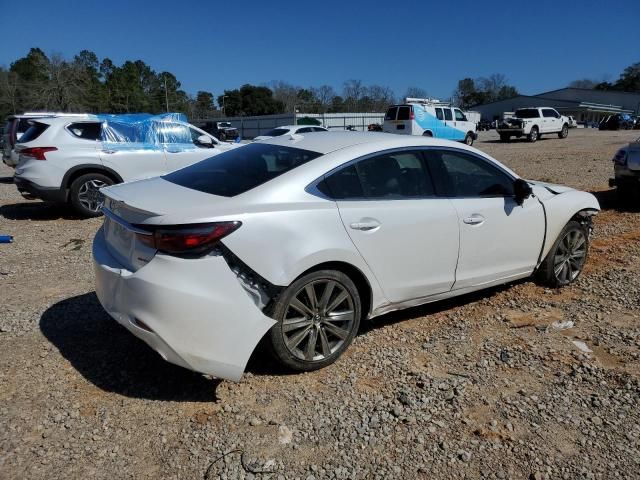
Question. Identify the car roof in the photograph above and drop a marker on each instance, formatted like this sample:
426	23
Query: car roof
326	142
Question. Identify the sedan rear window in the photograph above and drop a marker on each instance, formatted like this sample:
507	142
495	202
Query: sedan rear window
276	132
241	169
33	132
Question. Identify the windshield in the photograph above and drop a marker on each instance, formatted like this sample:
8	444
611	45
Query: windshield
527	113
276	132
241	169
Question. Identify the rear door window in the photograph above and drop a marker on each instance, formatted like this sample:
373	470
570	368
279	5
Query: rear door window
462	175
439	114
33	132
404	113
86	130
447	114
391	113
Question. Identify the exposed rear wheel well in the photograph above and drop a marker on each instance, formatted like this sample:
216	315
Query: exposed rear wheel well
361	282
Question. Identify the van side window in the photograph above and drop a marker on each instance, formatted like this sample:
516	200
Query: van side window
447	114
439	114
391	113
460	117
404	113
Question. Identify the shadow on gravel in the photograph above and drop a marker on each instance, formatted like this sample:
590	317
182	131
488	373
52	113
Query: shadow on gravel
434	307
609	200
111	358
37	210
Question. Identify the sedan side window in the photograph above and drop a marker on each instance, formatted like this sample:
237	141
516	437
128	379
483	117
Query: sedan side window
459	174
394	176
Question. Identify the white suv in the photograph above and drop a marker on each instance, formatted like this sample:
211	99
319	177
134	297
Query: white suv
67	160
532	123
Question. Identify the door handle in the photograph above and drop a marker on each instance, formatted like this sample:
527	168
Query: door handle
108	151
365	226
474	220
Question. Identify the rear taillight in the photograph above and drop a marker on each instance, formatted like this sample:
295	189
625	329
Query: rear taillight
620	158
37	152
411	115
187	239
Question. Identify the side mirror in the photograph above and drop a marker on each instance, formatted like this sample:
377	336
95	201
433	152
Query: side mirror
522	190
205	141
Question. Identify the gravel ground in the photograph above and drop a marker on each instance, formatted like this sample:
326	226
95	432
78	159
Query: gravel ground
482	386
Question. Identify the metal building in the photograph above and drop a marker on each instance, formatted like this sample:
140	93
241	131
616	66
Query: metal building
584	105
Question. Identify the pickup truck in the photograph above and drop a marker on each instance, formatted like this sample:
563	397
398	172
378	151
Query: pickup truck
533	123
223	131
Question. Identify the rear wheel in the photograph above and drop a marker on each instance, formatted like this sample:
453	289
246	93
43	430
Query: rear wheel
533	134
318	316
468	139
222	137
85	196
565	261
427	134
504	137
564	133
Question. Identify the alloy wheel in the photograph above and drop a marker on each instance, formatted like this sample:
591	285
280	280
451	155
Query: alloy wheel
570	256
318	320
89	195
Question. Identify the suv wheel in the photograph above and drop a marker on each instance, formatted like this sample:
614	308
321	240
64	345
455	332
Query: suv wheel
504	137
533	134
318	315
564	133
85	196
222	137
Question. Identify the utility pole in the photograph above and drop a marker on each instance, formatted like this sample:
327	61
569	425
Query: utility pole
166	94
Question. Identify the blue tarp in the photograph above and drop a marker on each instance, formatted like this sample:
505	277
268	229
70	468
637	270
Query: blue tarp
143	131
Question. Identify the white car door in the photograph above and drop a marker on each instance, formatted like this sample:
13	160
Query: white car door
181	147
549	121
499	239
462	123
406	235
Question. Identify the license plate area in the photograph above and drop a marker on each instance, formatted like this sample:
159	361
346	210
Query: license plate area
120	241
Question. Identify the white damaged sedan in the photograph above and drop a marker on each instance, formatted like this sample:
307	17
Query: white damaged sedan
299	238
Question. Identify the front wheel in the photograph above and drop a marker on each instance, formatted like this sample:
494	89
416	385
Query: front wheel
85	196
318	316
533	134
565	261
468	139
564	133
504	138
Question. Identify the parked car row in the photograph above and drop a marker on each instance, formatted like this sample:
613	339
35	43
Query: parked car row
626	165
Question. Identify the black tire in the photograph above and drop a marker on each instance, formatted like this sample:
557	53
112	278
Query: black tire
534	134
427	134
222	137
468	139
313	325
505	138
84	196
562	252
625	194
564	133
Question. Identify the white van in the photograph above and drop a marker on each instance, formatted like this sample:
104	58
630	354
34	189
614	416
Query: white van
430	118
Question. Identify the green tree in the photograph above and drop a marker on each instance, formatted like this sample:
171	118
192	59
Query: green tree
250	100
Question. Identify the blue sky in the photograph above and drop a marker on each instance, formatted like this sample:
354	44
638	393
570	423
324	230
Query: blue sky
219	45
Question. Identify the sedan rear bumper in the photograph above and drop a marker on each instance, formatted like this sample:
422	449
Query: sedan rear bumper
193	312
